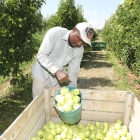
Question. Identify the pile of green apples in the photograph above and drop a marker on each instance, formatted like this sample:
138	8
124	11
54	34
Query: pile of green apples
68	100
90	131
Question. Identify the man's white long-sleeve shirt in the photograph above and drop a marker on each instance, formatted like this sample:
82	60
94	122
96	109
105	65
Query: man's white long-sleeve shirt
54	54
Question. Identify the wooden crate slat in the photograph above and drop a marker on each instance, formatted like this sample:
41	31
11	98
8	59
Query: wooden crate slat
103	95
38	125
32	122
15	128
135	132
136	106
100	105
127	109
47	95
95	116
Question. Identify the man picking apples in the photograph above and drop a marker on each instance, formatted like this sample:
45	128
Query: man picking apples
60	47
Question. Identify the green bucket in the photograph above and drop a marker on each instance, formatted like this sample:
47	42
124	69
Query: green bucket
70	117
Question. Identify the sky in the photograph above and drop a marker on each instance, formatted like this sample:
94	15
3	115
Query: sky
95	11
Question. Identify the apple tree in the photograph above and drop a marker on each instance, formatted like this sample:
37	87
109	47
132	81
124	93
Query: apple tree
19	19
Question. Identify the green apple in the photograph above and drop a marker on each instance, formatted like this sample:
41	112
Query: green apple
129	136
109	135
68	96
87	139
48	136
119	121
70	102
63	135
116	136
38	138
99	135
53	131
76	105
81	135
57	137
123	138
51	126
91	127
47	130
89	123
67	107
61	100
112	130
106	124
76	92
104	129
76	99
92	135
40	133
80	125
122	132
97	124
58	130
87	132
33	138
124	128
69	136
117	126
61	108
64	90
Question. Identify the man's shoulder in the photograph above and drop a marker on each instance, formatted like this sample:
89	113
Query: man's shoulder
58	28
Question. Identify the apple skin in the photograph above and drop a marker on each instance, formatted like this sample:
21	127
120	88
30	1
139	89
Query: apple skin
76	105
70	102
116	136
97	124
76	99
104	129
64	90
67	107
99	135
87	133
92	136
68	96
119	121
123	138
33	138
122	132
76	92
48	136
61	100
91	127
81	135
40	133
117	126
129	136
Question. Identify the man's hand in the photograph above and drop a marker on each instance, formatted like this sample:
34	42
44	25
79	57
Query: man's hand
62	76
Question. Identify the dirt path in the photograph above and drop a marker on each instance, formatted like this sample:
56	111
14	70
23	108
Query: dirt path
96	72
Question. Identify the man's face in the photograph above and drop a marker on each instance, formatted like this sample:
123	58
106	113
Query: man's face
75	39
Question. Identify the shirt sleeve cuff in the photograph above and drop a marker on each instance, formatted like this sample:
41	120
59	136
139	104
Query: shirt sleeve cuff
53	69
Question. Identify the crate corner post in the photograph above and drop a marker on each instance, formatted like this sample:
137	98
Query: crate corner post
127	108
47	94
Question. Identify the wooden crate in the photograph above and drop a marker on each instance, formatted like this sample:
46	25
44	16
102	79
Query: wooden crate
98	105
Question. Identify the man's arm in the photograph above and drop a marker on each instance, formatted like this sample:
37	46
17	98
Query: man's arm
74	67
46	47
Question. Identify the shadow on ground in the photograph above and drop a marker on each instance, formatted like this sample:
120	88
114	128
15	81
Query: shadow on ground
93	83
94	59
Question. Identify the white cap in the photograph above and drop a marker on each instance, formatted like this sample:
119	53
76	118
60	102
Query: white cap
86	31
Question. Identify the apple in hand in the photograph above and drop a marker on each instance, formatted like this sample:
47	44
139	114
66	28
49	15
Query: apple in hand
64	90
76	99
76	92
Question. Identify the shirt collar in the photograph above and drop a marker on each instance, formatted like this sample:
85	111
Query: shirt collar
66	36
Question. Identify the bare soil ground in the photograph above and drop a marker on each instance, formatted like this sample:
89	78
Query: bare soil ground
96	72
